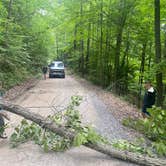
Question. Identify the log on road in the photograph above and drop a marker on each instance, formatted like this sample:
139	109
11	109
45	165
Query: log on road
62	131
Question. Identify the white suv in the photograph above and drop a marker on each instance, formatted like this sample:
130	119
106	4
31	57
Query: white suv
57	69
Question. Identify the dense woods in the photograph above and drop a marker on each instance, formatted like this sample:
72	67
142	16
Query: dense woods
117	44
26	41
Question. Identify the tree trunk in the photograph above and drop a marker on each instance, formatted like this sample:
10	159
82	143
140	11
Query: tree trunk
164	57
164	50
88	47
108	50
107	60
117	58
150	56
102	72
62	131
142	66
82	57
9	9
75	38
159	77
57	46
82	41
125	67
120	28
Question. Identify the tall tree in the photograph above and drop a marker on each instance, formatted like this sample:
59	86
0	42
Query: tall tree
159	78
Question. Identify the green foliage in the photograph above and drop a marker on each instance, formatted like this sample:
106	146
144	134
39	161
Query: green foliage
153	128
26	42
2	129
138	146
88	134
51	141
101	33
24	132
101	40
160	147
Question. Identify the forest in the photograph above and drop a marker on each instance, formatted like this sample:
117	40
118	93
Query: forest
116	44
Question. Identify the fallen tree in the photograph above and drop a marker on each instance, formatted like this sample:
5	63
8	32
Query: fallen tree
63	131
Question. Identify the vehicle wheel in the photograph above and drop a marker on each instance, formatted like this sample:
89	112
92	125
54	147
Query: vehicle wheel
50	76
63	76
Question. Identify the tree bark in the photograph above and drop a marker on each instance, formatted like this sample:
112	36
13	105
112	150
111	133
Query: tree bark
142	68
120	28
82	67
75	38
159	76
150	56
102	72
125	66
88	48
62	131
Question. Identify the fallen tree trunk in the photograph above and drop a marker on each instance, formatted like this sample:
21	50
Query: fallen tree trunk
62	131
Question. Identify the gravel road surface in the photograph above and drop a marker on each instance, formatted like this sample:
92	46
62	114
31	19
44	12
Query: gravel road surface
48	97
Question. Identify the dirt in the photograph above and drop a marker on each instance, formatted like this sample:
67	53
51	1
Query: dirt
52	95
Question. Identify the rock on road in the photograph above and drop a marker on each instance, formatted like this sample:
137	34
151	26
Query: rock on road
48	97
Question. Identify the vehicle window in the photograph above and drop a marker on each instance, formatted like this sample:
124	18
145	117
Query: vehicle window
52	65
60	65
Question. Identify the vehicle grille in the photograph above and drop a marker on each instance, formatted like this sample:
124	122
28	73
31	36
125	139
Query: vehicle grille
56	71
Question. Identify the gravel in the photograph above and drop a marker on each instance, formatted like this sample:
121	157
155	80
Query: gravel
46	98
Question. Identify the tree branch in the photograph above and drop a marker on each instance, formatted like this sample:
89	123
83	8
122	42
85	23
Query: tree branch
62	131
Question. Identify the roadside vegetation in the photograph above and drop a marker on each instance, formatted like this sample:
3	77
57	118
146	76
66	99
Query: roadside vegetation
153	128
115	44
26	40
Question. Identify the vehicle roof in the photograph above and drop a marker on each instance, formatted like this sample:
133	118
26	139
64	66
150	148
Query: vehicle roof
57	62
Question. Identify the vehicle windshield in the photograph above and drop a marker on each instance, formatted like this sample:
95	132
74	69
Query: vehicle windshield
52	65
60	65
57	64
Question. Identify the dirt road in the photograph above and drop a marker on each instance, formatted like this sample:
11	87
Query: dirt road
48	97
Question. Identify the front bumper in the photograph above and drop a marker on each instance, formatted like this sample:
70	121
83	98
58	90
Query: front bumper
60	73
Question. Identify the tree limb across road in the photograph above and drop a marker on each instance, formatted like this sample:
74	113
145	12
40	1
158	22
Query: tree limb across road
63	131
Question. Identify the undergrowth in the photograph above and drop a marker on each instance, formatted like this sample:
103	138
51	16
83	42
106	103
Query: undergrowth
153	128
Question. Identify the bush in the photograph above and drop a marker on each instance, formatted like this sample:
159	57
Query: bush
153	128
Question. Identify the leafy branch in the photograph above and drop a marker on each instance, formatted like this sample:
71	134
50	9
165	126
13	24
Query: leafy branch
48	140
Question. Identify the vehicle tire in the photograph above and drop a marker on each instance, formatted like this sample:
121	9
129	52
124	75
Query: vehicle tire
50	76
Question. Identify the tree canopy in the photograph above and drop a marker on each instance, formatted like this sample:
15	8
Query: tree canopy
114	43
